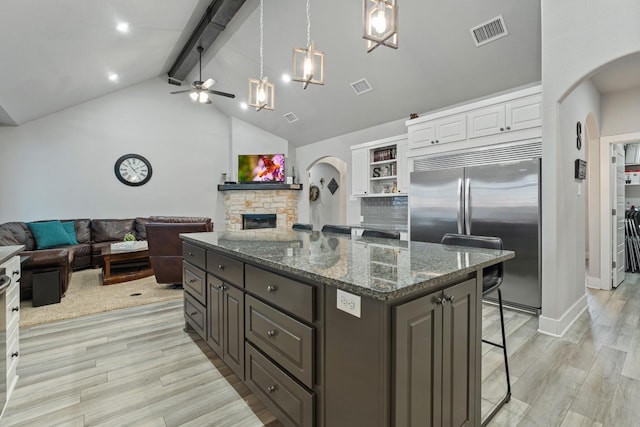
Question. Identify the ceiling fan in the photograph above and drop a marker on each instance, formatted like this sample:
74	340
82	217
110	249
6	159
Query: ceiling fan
200	90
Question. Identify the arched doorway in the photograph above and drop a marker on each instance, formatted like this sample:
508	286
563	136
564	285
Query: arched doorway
329	177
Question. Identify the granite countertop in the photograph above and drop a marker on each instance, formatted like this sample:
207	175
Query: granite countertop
7	252
384	269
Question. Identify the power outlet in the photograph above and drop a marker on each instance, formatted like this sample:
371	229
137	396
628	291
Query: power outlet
349	303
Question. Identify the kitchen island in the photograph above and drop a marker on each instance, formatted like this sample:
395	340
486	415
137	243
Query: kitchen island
334	330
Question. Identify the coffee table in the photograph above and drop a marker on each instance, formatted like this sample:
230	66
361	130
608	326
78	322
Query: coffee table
125	261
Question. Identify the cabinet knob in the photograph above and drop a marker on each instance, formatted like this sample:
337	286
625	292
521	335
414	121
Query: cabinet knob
272	388
437	141
272	288
439	300
16	308
433	142
508	127
449	298
501	129
15	354
220	267
190	253
220	287
272	333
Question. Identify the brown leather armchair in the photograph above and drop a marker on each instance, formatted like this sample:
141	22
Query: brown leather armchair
165	248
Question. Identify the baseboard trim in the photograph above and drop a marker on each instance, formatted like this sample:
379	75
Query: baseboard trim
558	327
593	282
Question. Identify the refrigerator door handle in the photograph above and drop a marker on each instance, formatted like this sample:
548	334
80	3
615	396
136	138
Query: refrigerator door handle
460	222
467	206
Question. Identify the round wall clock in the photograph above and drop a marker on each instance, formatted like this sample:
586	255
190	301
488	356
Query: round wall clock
133	169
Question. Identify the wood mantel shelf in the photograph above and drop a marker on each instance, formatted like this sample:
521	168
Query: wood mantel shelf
259	186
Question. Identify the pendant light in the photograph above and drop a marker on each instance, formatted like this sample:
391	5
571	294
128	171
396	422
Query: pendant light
261	92
308	64
380	23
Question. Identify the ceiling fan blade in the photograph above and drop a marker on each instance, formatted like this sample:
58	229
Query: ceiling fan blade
180	91
217	92
208	83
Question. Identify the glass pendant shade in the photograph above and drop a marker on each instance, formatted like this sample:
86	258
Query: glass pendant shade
380	23
261	94
194	96
308	66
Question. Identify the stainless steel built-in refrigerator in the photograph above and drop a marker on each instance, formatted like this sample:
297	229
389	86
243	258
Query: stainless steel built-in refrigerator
500	200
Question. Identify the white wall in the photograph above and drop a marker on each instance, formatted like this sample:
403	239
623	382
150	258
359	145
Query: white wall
62	165
249	139
340	147
578	37
621	112
326	209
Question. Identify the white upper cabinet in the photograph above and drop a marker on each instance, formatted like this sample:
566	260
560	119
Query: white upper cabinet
441	131
359	172
403	167
380	168
504	118
514	115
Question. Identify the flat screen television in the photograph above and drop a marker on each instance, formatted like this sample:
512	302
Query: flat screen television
256	168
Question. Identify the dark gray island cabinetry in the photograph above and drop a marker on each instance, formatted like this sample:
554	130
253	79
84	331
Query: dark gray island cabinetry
333	330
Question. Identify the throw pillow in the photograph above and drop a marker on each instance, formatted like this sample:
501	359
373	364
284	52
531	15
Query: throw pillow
49	234
70	228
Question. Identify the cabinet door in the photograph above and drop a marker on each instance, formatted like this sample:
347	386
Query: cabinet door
359	172
403	167
417	327
524	113
451	129
422	134
459	355
486	121
234	329
214	314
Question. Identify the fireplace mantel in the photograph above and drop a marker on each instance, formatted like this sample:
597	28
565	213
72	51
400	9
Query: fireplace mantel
263	186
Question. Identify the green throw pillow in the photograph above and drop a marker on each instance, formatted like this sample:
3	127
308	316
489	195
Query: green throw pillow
70	228
49	234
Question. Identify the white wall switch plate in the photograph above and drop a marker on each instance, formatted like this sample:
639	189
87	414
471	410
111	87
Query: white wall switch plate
349	303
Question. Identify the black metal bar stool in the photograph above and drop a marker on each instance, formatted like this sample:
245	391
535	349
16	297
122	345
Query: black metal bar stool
382	234
491	281
340	229
300	226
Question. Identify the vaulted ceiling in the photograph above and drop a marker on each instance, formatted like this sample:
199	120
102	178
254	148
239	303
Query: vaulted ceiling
58	53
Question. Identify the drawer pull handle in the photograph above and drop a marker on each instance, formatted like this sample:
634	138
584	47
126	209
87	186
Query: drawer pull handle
272	333
193	280
449	298
272	288
194	313
16	308
15	354
272	388
220	267
15	272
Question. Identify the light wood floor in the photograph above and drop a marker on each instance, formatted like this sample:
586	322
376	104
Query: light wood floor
137	367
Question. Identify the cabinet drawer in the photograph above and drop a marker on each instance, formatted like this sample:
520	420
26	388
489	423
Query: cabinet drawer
284	339
12	268
226	268
194	282
194	254
288	401
290	295
195	315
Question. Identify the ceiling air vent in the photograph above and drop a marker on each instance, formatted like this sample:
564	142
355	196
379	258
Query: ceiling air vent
290	117
361	86
489	31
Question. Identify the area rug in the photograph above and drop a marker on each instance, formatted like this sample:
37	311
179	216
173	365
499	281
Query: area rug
87	296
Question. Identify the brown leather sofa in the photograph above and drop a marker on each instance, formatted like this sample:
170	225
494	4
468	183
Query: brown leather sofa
165	248
92	235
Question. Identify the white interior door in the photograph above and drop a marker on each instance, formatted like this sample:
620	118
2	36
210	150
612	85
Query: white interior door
618	248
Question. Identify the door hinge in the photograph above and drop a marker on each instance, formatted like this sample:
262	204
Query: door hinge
613	160
613	212
613	264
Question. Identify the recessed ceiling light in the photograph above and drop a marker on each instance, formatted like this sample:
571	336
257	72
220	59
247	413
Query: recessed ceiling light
123	27
286	78
244	105
113	77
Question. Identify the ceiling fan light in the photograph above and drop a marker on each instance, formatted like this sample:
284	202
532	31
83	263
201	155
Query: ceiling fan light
194	96
380	23
203	98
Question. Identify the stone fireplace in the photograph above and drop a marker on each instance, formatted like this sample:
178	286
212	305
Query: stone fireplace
238	202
